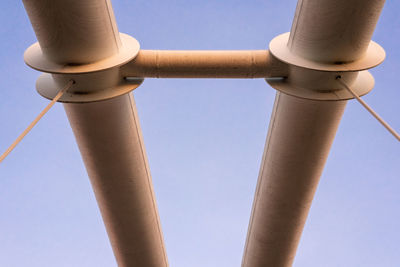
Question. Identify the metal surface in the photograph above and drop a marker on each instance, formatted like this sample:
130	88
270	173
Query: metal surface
95	81
204	64
373	56
363	83
85	91
300	134
35	58
109	138
332	32
74	31
301	131
107	132
79	40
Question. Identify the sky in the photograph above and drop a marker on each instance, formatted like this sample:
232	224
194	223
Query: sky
204	139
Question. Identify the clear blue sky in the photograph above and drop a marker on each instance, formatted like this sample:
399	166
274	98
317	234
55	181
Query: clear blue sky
204	140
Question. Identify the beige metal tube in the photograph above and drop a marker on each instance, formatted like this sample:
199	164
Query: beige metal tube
333	31
204	64
300	134
109	138
107	132
74	31
301	131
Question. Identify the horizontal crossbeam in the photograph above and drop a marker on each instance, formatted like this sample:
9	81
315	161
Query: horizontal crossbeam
204	64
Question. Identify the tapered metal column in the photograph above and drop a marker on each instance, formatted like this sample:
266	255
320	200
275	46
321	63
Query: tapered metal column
300	134
301	131
109	138
108	134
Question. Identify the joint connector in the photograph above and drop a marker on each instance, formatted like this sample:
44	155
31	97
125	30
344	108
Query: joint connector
95	81
317	80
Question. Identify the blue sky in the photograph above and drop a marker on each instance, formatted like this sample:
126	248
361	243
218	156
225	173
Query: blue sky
204	140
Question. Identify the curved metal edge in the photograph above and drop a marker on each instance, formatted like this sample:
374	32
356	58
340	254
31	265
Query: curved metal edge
46	87
35	59
362	85
373	57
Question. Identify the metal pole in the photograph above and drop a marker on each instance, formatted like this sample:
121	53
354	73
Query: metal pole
204	64
107	132
300	134
301	131
110	141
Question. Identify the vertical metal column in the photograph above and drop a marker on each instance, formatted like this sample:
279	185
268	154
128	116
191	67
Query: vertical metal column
300	134
110	141
107	132
301	131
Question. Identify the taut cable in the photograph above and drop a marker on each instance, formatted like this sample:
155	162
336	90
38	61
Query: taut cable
36	120
370	110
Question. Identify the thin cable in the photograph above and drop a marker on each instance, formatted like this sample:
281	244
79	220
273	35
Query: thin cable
373	113
36	120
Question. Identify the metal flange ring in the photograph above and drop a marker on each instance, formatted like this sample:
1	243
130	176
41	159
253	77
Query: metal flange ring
374	56
35	59
317	80
94	81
